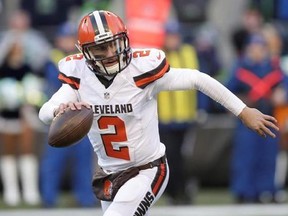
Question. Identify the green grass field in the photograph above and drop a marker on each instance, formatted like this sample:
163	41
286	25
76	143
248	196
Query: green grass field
210	196
204	197
208	202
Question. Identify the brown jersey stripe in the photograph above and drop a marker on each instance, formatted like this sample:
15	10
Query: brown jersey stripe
145	79
74	82
159	179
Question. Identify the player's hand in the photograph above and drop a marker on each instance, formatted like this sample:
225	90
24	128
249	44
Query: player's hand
72	105
258	122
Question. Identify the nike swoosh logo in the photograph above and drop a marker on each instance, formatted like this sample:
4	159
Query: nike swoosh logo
159	56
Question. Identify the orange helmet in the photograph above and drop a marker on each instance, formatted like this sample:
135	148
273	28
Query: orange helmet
102	32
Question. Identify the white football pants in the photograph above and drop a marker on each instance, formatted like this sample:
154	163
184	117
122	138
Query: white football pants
137	195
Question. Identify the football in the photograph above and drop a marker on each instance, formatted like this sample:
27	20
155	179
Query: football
70	127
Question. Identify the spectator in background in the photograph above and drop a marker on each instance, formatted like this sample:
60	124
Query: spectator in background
274	40
177	113
47	15
251	24
16	133
205	41
255	79
55	161
36	47
191	14
275	11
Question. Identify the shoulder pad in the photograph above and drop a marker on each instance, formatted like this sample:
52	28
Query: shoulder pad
69	68
148	58
151	64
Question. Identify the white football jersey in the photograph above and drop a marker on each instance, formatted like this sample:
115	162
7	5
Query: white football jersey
125	127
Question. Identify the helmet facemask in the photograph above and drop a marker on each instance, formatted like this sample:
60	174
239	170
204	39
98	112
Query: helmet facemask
108	57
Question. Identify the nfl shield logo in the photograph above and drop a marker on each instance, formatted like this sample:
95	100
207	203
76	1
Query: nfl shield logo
106	95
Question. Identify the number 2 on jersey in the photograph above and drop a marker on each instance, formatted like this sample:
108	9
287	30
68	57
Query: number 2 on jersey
141	53
119	136
77	56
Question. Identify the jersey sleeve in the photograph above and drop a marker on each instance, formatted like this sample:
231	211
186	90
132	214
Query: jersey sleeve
152	64
69	74
63	95
69	70
187	79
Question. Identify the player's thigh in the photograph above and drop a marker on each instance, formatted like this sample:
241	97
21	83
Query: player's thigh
140	192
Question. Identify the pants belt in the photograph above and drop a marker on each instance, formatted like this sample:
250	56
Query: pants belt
154	163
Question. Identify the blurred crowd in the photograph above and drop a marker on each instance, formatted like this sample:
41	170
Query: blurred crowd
198	34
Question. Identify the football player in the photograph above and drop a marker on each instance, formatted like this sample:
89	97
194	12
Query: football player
120	85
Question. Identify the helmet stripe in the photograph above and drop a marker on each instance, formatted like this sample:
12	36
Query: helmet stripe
104	21
99	22
94	24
